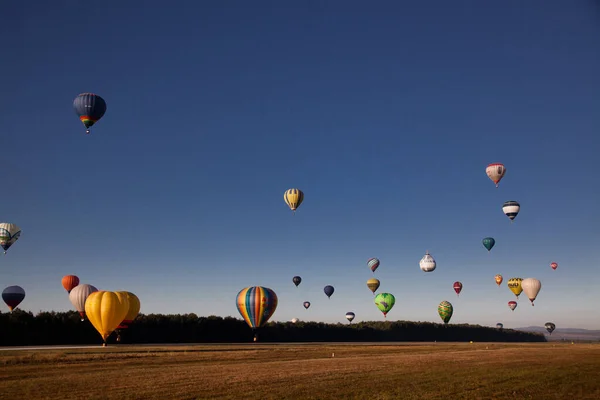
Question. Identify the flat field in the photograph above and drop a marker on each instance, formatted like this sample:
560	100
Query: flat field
305	371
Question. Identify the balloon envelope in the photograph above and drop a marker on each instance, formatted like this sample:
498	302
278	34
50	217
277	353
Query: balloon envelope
79	295
132	311
385	302
499	325
511	209
373	264
457	287
427	263
69	282
328	290
293	198
498	278
553	265
306	304
13	296
445	311
495	172
106	310
9	234
514	284
373	284
512	305
531	287
350	316
296	280
550	327
488	243
89	107
256	305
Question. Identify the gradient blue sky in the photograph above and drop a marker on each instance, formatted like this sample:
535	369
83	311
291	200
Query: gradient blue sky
385	115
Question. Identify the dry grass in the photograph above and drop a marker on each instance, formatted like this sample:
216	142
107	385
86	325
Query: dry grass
291	371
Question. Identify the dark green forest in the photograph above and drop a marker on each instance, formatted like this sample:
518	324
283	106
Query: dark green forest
21	328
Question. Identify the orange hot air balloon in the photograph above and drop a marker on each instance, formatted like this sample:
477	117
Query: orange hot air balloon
134	310
69	282
105	310
498	279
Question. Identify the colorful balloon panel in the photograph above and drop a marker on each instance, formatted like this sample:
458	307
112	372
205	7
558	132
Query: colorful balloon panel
256	305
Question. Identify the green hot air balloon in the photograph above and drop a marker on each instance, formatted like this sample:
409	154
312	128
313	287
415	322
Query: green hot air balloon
488	243
445	310
385	302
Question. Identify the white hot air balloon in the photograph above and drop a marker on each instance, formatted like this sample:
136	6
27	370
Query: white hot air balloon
9	234
427	263
294	320
495	172
511	208
531	287
79	295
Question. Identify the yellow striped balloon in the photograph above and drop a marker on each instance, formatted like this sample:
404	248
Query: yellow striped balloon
256	304
293	198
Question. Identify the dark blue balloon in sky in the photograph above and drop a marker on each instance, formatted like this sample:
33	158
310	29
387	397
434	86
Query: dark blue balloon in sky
329	290
13	296
90	108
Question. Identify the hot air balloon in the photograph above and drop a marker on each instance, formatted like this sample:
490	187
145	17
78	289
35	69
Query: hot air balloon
488	243
457	287
427	263
511	209
512	305
9	234
293	198
495	172
350	316
294	320
373	264
531	287
550	327
69	282
553	265
296	280
328	290
306	304
498	278
89	108
256	304
514	284
79	295
106	310
13	296
132	311
385	302
445	311
373	284
499	325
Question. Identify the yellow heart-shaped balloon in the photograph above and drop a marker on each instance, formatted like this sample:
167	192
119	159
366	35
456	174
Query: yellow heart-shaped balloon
106	310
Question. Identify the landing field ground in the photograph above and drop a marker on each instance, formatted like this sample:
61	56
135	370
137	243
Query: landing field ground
305	371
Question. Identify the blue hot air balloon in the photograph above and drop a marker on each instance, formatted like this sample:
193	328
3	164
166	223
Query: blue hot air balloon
90	108
13	296
329	290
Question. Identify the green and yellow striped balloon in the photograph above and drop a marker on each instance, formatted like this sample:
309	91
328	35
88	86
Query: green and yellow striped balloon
445	310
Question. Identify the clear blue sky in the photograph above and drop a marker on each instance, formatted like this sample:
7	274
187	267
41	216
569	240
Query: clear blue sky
384	115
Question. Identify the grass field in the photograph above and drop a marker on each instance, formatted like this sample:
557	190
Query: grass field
306	371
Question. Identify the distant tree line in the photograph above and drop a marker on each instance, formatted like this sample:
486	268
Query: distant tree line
21	328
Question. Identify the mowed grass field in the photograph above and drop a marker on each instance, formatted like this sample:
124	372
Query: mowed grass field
306	371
